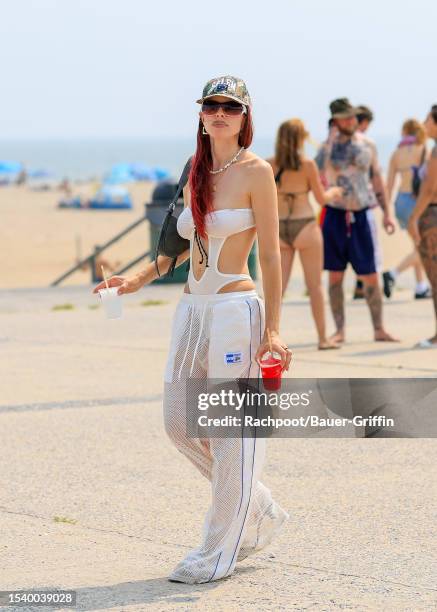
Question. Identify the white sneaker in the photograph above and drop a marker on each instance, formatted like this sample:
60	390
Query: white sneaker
270	525
425	344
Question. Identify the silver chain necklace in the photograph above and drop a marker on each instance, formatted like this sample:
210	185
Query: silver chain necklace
233	160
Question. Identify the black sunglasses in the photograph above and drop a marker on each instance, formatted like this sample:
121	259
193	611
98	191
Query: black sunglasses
232	109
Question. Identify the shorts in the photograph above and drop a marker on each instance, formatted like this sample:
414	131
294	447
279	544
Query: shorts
404	205
376	243
348	238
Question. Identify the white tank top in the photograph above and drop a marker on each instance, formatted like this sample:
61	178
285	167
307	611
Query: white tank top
219	225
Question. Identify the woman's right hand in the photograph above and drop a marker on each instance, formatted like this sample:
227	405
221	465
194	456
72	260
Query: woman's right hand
125	285
335	194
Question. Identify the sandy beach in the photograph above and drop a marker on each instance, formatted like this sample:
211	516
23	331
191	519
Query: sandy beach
40	240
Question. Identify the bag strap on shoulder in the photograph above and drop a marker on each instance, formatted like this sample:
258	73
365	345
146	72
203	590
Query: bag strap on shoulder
278	175
181	184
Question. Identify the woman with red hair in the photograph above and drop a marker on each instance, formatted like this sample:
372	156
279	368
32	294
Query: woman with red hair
221	326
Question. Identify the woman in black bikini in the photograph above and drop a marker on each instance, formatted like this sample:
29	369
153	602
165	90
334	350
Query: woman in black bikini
296	176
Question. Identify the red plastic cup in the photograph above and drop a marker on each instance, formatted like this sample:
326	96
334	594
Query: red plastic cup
271	370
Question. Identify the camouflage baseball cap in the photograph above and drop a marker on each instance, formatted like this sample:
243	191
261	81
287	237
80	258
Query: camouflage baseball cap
229	86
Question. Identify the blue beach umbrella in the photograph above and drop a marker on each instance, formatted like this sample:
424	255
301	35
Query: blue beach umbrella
39	173
127	172
10	167
111	196
161	173
120	173
141	172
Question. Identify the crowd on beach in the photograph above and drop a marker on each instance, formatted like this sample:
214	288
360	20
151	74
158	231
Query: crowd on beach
346	180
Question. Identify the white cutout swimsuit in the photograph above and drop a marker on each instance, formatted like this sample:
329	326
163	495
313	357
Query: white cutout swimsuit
219	225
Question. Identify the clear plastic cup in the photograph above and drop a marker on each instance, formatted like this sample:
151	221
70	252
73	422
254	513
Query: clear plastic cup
271	370
111	302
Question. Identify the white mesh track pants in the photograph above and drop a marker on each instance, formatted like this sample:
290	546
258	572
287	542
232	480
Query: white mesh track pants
242	517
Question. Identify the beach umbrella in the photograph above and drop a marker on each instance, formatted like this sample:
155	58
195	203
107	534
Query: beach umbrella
10	167
149	173
161	173
141	172
39	173
120	173
112	191
111	197
127	172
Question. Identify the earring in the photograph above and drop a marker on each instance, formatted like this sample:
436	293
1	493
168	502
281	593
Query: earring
204	132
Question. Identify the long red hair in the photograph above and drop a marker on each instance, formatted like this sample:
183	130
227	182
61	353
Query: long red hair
200	178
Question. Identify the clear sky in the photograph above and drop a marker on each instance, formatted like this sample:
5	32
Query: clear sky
133	68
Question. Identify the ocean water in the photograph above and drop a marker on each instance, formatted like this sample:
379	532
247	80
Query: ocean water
89	159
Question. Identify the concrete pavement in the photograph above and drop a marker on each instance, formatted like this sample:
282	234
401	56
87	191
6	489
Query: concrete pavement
94	497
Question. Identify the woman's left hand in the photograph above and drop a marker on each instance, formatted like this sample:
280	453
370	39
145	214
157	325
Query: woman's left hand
277	346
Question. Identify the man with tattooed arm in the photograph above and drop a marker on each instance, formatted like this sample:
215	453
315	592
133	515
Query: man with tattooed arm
345	160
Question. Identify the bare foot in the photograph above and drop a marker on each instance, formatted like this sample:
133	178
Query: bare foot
325	345
382	336
337	338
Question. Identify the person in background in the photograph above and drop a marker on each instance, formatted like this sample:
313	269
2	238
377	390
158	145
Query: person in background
100	261
365	118
22	176
296	176
65	187
332	131
345	160
422	224
409	156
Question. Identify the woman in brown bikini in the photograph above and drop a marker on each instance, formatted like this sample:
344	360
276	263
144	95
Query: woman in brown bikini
295	177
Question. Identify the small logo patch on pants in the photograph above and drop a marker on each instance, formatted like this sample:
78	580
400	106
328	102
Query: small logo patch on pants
234	357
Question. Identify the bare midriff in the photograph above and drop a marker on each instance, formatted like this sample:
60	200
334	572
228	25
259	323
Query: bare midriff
236	248
239	285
